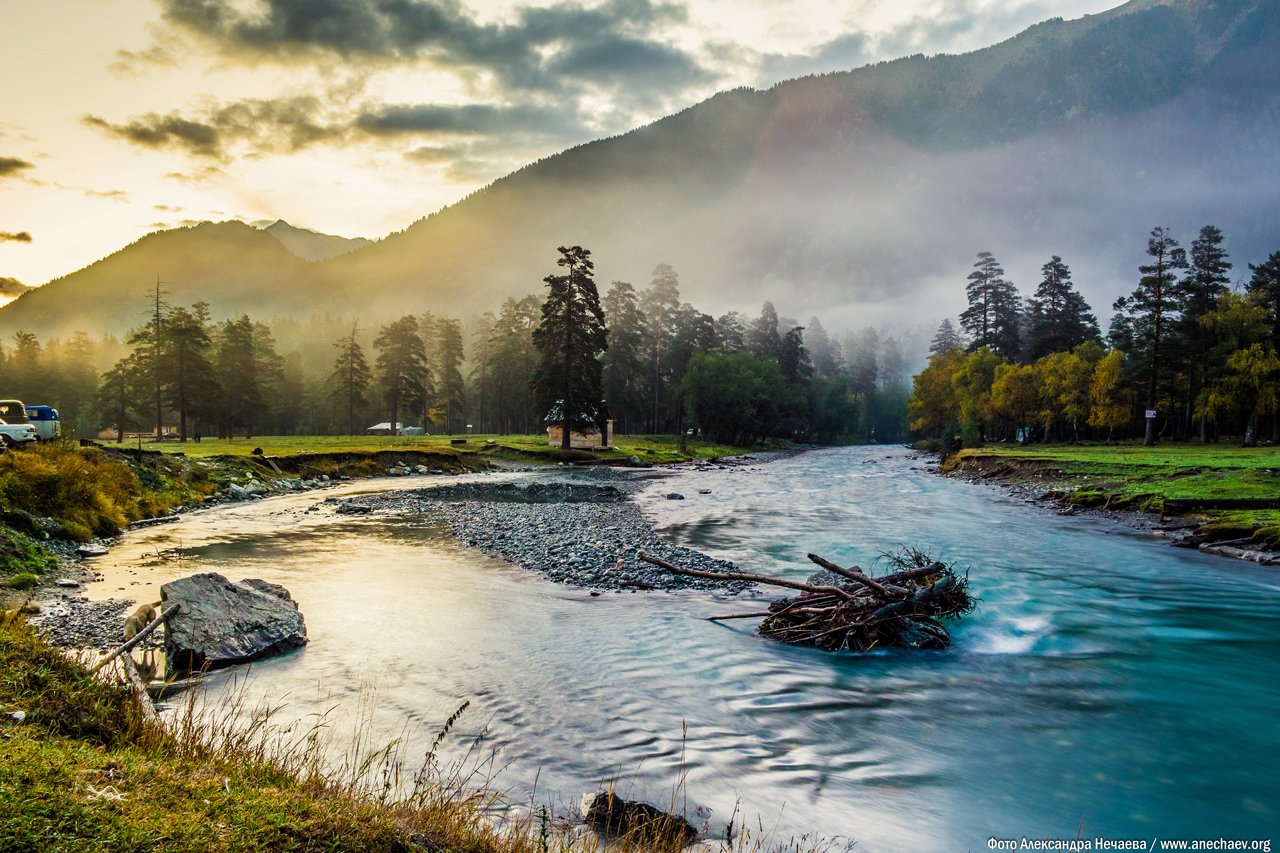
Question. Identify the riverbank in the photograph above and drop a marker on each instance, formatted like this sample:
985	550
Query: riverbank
57	497
83	769
1223	500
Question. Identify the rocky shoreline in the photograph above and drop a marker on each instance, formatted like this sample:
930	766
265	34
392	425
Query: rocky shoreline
580	527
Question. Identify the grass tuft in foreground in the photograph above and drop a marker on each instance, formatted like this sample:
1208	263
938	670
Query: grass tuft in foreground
83	770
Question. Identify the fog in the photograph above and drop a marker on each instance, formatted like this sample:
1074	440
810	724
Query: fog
861	198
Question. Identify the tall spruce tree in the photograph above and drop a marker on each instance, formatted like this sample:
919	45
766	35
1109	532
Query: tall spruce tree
762	338
1265	286
401	365
624	361
991	320
570	339
241	397
189	382
1151	309
660	303
349	379
1058	318
514	359
1206	281
945	339
446	369
826	357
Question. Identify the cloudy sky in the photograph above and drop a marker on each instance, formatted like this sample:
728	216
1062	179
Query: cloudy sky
357	117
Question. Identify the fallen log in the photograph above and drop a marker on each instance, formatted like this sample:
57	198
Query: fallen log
865	614
743	576
884	590
139	689
138	637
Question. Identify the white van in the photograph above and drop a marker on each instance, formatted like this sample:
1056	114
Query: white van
15	429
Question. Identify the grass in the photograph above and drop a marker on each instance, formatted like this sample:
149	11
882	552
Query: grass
1214	482
532	447
88	491
84	771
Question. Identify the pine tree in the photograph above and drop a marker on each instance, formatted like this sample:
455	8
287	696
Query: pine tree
762	338
188	379
945	339
660	303
1058	318
991	320
446	369
348	382
269	367
401	366
731	332
242	397
624	361
1206	281
1265	284
826	357
570	339
513	358
123	395
1151	309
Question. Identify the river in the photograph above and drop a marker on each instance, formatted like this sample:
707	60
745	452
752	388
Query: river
1106	685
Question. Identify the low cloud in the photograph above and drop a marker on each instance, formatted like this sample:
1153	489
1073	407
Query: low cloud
565	48
264	126
13	166
257	126
11	287
130	63
15	237
199	177
164	131
110	195
469	120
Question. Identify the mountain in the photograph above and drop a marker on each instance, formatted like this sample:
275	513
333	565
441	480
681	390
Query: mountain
312	245
861	195
232	266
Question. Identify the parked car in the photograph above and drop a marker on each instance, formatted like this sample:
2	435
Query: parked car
46	420
15	429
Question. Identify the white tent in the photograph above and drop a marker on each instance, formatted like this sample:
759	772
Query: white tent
384	428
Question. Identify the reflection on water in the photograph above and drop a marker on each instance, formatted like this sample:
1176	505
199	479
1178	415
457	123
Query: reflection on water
1103	678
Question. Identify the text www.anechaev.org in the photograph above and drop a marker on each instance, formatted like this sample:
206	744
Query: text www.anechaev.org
1149	844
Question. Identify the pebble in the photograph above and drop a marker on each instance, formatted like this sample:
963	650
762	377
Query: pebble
583	534
78	623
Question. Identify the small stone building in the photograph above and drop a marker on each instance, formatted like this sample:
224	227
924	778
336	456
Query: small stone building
594	427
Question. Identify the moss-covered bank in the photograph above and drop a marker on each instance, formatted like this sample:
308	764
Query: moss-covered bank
1234	492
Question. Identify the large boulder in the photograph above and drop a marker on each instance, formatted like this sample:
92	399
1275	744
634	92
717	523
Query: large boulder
221	623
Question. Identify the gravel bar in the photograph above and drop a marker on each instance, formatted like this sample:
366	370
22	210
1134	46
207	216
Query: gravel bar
583	534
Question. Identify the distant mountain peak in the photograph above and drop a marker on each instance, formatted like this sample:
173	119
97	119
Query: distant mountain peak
313	245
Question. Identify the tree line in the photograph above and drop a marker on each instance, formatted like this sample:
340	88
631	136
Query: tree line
1187	354
665	367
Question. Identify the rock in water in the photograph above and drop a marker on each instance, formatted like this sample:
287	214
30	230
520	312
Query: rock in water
642	823
223	623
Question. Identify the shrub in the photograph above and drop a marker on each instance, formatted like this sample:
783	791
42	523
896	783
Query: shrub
24	580
20	554
84	488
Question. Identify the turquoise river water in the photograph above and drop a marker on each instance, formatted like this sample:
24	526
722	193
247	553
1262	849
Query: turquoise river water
1106	686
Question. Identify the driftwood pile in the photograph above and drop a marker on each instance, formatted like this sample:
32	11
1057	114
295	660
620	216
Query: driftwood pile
859	612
